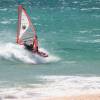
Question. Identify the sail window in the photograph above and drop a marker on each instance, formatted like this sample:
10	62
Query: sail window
23	27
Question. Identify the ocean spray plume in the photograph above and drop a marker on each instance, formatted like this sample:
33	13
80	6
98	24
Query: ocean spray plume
11	51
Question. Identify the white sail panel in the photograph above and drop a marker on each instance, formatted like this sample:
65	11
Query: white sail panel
24	22
25	28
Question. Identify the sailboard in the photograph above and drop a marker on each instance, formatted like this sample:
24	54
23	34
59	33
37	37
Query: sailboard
26	33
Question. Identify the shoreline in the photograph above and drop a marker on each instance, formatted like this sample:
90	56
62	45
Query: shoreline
80	97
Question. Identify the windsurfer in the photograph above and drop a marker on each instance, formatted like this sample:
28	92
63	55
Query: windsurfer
28	46
32	47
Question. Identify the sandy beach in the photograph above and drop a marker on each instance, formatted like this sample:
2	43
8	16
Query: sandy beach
81	97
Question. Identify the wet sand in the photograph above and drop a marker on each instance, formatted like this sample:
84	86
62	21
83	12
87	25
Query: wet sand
81	97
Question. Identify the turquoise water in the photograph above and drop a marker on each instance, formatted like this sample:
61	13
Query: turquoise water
69	30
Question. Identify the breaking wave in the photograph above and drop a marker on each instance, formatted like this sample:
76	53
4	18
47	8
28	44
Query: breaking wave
54	86
11	51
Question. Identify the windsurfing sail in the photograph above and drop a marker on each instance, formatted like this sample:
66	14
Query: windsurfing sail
25	31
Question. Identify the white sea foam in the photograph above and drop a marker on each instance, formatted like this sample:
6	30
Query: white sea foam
89	9
3	9
5	22
54	86
10	51
70	85
88	41
75	2
8	21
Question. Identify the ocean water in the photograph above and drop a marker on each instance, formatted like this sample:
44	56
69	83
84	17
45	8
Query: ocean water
69	30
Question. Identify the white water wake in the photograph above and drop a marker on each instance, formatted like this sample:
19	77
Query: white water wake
11	51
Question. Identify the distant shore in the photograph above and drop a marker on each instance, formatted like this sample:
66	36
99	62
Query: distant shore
81	97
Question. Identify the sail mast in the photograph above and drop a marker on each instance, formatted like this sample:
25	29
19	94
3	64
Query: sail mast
19	22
